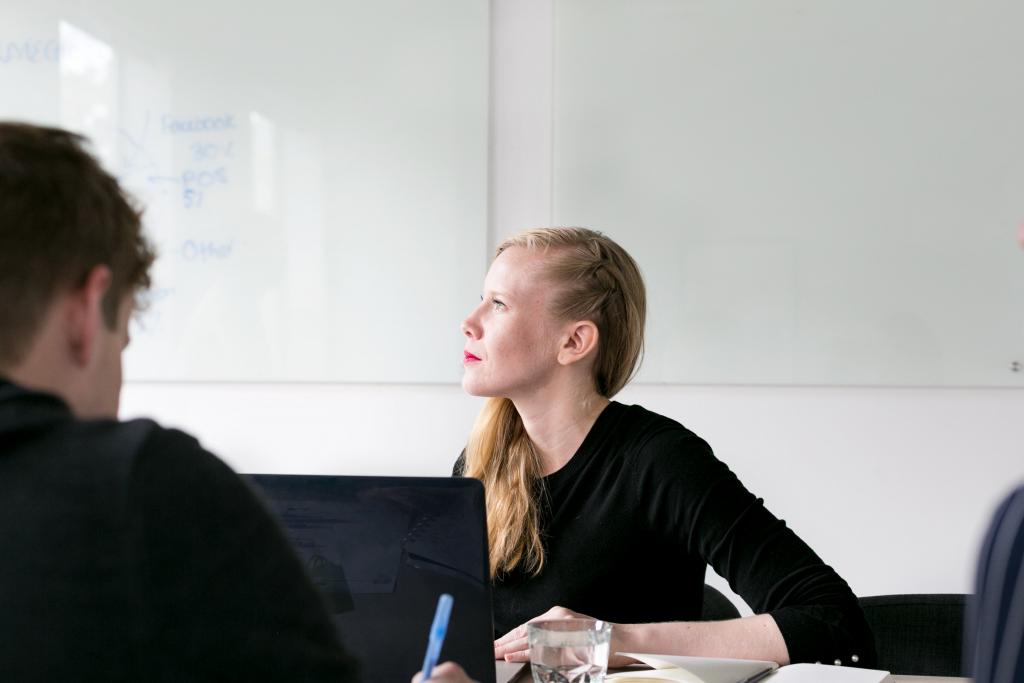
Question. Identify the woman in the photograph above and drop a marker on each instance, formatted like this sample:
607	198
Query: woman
599	508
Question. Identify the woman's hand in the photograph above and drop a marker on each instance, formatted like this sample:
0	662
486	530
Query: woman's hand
514	647
449	672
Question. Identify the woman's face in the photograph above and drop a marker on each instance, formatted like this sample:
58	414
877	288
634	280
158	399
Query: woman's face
512	339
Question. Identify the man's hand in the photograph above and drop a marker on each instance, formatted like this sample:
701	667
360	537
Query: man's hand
449	672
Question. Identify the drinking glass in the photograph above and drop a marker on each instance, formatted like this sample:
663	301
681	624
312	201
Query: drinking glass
569	650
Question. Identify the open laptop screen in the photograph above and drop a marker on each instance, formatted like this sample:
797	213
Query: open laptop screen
382	549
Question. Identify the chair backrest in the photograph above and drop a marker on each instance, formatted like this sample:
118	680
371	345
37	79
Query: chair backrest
918	634
716	606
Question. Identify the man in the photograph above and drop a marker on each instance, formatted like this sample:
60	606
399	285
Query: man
995	640
129	552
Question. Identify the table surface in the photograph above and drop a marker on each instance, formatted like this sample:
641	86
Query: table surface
517	673
506	673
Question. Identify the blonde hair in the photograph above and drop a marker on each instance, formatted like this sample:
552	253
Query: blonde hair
596	280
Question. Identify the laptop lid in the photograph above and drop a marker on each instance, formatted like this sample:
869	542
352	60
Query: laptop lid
382	549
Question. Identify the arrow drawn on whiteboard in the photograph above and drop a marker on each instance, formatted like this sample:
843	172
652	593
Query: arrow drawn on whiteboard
139	156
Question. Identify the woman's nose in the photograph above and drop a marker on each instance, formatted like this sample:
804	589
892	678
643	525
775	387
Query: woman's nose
469	327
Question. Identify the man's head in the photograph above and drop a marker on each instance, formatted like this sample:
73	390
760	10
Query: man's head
72	259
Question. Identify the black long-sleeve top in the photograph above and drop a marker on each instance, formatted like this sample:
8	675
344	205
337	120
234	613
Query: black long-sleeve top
630	523
129	553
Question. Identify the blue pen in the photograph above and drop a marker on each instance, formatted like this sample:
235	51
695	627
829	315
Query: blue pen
437	632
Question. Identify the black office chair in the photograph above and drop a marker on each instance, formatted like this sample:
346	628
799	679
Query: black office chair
918	635
716	606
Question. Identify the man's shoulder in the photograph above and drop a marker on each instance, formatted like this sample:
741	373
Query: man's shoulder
1016	497
141	452
127	441
169	458
1008	522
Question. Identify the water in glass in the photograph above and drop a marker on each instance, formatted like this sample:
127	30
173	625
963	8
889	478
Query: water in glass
560	665
569	651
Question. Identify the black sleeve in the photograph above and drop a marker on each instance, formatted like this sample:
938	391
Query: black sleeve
699	502
225	598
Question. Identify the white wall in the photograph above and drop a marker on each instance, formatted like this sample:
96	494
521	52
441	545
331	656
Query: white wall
892	486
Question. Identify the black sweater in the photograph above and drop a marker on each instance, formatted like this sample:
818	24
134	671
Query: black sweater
129	553
633	519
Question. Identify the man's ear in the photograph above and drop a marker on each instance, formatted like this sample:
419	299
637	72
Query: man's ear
85	314
579	343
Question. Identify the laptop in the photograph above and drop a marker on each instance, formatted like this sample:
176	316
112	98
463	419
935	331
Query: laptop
382	549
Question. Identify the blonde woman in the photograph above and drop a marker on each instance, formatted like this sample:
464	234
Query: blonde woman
609	510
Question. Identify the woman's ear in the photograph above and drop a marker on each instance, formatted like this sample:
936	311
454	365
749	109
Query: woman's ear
85	314
579	343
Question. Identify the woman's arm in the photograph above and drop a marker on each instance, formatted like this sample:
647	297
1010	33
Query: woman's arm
754	637
695	500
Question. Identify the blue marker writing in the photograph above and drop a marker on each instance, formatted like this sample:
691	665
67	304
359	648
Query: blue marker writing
437	631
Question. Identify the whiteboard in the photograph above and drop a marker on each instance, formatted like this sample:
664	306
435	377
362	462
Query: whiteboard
314	173
818	192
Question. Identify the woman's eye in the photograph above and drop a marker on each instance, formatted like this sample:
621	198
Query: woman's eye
497	304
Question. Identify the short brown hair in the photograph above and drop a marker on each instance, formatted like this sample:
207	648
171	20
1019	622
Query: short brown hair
61	215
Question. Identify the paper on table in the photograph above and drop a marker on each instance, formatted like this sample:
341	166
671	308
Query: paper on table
826	673
679	669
